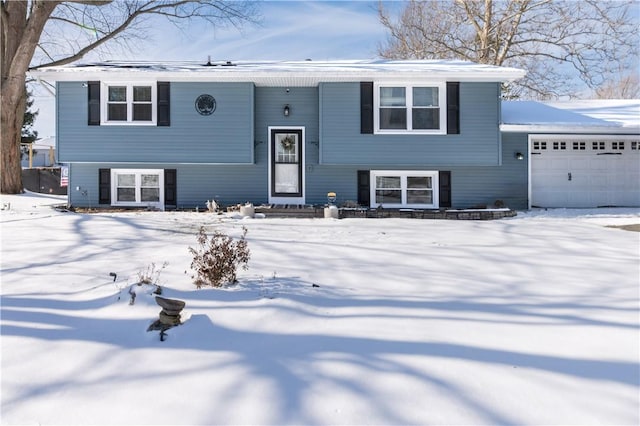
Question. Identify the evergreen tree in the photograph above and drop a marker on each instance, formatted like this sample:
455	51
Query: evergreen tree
28	135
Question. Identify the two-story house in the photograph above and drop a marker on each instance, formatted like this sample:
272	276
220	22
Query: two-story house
397	134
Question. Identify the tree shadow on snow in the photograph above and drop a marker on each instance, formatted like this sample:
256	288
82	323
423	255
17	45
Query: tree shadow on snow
289	359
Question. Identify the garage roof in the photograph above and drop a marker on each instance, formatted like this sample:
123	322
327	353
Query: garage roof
624	111
584	116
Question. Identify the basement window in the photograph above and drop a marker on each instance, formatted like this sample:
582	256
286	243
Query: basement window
137	187
404	189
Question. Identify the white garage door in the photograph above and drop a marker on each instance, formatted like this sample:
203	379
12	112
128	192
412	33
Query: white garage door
586	172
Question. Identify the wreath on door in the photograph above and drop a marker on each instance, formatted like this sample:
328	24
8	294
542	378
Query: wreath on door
288	142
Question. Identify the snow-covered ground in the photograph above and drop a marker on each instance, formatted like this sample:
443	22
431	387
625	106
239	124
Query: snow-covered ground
528	320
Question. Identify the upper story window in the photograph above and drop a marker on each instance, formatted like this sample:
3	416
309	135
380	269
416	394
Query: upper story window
129	103
410	108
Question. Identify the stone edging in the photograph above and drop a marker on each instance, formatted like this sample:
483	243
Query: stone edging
346	213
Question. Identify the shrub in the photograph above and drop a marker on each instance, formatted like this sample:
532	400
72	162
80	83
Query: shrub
216	259
151	274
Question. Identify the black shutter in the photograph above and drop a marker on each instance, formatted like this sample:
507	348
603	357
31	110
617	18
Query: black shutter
164	104
444	182
453	108
170	187
366	107
104	186
94	102
364	188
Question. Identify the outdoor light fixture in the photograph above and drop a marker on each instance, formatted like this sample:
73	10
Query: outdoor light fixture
519	156
286	110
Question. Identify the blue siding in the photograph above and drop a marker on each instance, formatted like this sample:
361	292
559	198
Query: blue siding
483	168
484	185
477	144
226	136
303	103
471	185
196	183
231	184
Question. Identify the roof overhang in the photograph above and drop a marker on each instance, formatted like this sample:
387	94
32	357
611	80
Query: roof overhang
568	129
283	73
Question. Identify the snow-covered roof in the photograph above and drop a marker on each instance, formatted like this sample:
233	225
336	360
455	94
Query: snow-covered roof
624	111
48	142
44	143
593	116
284	73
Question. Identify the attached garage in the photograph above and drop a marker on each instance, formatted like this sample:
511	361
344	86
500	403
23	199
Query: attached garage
584	171
581	154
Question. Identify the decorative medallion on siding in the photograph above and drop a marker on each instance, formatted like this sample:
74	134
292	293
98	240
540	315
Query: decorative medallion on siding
205	104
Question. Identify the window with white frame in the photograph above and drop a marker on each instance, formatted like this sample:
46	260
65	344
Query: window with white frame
129	103
401	108
405	188
137	187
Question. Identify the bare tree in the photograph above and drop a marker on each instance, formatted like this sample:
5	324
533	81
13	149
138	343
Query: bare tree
37	33
627	86
554	41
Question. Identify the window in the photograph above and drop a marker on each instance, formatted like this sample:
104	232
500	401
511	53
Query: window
396	189
132	187
388	190
129	103
559	145
410	109
539	146
617	145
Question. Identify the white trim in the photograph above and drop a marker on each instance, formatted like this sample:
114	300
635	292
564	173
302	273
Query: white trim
442	106
529	192
581	137
104	103
403	174
569	129
138	172
287	200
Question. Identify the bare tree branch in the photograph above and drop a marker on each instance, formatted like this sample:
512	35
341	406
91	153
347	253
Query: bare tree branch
118	22
578	41
37	33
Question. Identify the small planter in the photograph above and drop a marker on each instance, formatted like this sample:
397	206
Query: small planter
247	210
331	212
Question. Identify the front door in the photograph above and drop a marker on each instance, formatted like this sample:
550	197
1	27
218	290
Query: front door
286	161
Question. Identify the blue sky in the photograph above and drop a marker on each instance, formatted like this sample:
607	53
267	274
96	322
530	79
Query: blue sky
290	30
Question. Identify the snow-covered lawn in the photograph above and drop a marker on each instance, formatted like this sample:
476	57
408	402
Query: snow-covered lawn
528	320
